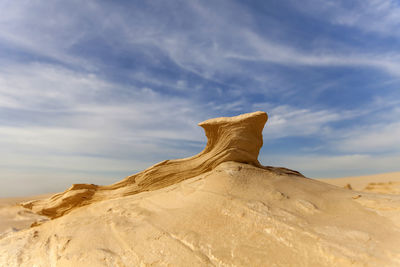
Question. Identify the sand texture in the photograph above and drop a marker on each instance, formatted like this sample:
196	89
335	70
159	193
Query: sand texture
14	217
218	208
386	183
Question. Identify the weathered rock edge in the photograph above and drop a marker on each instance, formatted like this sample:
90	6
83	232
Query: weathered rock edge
236	139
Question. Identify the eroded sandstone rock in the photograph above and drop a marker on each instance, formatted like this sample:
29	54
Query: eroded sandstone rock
236	139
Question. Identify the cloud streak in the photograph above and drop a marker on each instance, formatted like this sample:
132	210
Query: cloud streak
123	85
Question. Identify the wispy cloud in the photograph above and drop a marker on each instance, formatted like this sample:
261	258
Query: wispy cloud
381	16
71	122
331	166
353	149
290	121
378	139
264	50
211	52
123	85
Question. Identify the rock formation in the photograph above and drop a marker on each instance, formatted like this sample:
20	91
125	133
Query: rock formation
218	208
236	139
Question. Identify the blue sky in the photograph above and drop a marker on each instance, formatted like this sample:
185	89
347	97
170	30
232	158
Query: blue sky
93	91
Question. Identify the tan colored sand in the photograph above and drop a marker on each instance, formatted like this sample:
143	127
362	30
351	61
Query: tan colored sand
385	183
13	217
232	213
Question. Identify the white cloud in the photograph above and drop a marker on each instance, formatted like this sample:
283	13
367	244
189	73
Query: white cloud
67	111
379	134
91	103
362	148
375	138
46	87
376	16
220	40
285	120
22	26
382	16
265	50
72	124
122	131
328	166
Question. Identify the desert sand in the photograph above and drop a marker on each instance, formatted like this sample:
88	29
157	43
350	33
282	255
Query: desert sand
386	183
14	217
218	208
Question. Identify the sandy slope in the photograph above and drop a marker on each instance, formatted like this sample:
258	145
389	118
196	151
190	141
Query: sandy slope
386	183
231	212
13	217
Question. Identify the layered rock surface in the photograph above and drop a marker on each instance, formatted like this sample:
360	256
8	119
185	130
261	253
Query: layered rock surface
218	208
229	139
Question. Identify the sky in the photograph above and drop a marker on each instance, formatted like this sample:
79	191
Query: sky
93	91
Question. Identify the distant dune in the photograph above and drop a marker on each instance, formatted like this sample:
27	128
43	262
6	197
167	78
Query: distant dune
386	183
218	208
14	217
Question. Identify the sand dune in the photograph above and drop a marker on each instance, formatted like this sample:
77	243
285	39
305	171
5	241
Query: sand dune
386	183
218	208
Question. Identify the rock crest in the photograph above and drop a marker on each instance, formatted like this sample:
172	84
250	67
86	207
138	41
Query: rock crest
236	139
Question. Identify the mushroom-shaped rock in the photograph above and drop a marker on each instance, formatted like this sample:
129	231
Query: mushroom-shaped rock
236	138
